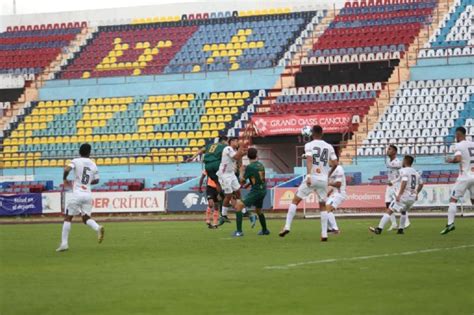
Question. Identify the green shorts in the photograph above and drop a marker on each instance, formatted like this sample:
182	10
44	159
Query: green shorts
255	198
211	169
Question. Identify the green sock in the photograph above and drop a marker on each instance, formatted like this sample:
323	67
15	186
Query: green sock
263	222
239	218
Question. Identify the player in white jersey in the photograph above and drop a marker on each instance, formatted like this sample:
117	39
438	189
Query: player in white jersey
393	172
228	180
80	203
407	189
321	160
336	196
464	155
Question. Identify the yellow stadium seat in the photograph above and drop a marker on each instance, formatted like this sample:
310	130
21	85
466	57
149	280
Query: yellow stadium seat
206	134
198	134
163	159
190	135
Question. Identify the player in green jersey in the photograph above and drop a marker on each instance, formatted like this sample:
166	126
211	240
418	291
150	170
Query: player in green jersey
255	173
212	157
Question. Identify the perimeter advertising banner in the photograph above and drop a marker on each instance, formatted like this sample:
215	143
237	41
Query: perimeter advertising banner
20	204
370	197
190	200
358	197
127	201
438	196
291	124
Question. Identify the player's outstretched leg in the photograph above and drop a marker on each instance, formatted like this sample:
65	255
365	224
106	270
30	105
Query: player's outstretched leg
393	220
263	222
239	217
65	234
452	209
99	229
403	220
383	221
324	222
290	216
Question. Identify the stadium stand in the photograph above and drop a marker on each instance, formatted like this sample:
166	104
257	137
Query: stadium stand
30	49
351	62
422	117
431	177
190	45
131	130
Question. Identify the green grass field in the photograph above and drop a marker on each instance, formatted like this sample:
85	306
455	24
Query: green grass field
184	268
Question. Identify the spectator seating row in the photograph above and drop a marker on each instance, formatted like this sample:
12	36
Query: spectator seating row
126	130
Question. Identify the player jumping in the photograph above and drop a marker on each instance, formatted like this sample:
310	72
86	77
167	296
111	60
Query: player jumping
321	160
255	172
226	174
408	188
393	171
212	200
85	175
464	155
336	196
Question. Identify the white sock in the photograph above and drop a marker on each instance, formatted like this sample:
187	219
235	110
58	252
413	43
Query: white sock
407	221
384	220
93	225
324	223
65	233
290	215
393	219
244	210
332	221
451	212
225	210
403	221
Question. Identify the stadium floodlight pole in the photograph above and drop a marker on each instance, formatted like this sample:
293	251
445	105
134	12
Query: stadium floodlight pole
14	7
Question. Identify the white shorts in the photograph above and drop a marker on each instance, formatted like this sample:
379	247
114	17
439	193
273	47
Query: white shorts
402	205
390	194
229	183
336	199
463	184
319	187
79	204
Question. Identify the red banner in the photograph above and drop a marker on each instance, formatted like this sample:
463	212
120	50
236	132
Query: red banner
358	197
292	124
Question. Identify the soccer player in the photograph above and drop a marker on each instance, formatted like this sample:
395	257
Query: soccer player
321	160
336	196
393	171
227	179
212	200
464	155
85	175
407	189
255	173
212	158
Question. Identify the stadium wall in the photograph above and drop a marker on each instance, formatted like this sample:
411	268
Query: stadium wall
161	84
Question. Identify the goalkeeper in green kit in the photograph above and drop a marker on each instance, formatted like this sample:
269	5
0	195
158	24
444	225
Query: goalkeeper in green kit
255	173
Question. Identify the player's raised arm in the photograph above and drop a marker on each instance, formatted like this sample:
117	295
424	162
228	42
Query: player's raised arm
195	155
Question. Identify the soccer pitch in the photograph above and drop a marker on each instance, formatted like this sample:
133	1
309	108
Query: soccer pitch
184	268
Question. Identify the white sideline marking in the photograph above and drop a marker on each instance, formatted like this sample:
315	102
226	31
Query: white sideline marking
323	261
